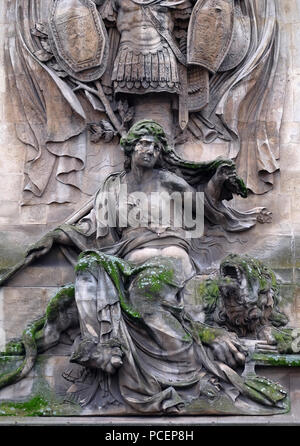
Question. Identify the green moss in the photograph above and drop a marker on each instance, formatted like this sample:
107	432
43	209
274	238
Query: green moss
207	335
9	378
31	331
13	348
114	268
242	187
187	338
272	390
141	128
254	270
208	294
265	390
156	274
63	299
153	280
283	339
9	364
28	340
8	359
277	360
37	406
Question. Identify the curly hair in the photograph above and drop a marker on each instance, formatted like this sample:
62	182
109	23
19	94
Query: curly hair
195	173
137	131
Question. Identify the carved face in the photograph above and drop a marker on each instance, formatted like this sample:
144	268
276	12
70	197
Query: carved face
226	172
245	304
146	152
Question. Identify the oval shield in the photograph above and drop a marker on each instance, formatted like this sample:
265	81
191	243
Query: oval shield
210	33
78	38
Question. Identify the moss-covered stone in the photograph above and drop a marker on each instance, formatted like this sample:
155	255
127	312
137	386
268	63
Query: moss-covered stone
156	274
187	338
9	363
37	406
263	389
153	280
207	335
114	266
278	360
27	345
63	299
284	340
208	294
13	348
254	270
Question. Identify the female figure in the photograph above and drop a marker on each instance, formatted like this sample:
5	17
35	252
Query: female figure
133	327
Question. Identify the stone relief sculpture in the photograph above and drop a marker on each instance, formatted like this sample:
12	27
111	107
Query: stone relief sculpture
137	344
90	75
78	65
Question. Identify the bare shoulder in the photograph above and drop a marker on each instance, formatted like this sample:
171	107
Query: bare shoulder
171	179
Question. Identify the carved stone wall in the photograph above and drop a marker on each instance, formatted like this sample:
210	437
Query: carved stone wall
277	243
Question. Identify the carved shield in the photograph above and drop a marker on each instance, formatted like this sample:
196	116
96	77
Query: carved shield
78	38
210	33
240	43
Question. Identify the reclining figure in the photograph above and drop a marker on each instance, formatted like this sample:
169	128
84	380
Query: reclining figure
128	296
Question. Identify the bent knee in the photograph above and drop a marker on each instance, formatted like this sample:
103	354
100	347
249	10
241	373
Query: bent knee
179	253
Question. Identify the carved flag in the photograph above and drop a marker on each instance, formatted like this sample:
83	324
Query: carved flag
210	33
78	38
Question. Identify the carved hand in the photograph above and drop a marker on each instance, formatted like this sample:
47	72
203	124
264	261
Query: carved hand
224	183
228	349
108	357
41	247
264	216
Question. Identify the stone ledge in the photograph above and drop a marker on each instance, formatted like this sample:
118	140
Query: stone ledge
276	360
275	420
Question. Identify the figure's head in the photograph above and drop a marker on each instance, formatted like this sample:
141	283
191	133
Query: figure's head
249	296
145	142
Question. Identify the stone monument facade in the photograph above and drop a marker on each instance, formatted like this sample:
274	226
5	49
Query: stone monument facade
149	234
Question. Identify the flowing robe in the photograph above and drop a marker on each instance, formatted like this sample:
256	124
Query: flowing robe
165	365
57	148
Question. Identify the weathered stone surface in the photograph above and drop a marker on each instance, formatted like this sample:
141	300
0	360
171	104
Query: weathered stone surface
17	392
52	271
277	243
33	302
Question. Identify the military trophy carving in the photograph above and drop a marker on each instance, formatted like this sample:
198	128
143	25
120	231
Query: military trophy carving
137	344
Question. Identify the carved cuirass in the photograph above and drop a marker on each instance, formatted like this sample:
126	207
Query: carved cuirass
145	60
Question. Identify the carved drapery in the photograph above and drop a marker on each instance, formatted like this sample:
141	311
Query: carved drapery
245	100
